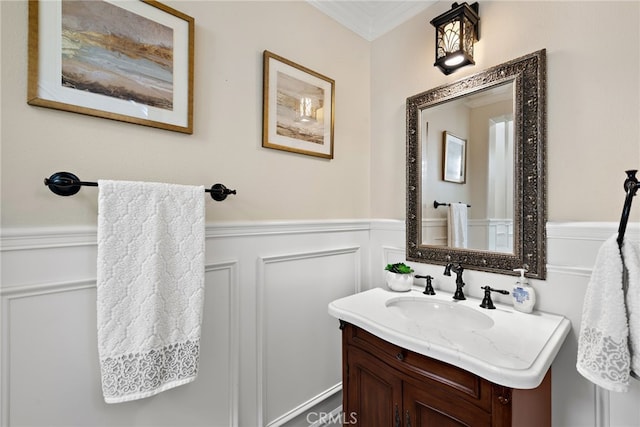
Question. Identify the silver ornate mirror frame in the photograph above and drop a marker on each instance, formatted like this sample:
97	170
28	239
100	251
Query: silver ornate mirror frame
528	73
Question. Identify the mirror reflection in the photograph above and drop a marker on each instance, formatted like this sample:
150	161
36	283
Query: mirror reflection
467	171
476	154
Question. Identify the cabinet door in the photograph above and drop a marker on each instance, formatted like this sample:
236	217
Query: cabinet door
426	406
374	391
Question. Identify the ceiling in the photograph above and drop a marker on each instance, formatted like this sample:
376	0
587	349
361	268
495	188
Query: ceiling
370	18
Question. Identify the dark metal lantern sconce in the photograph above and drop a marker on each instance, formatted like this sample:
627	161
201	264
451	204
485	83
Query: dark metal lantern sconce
456	32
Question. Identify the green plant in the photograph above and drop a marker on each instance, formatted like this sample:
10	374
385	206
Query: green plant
400	268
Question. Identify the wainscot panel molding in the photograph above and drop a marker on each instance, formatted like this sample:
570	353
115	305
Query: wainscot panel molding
292	334
55	237
267	285
266	228
50	371
571	251
255	271
16	239
576	244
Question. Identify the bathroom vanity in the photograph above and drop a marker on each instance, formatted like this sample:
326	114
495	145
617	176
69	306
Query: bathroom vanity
387	385
416	360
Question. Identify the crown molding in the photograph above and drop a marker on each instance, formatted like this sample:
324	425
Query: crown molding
370	19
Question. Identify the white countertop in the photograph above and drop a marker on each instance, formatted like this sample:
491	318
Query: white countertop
515	352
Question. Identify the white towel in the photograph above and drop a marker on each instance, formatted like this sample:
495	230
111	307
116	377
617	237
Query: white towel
631	258
457	225
150	286
603	351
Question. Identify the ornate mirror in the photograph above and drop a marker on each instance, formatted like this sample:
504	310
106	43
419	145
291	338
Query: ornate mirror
480	142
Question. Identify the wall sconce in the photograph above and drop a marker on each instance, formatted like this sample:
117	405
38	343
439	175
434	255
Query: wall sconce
456	32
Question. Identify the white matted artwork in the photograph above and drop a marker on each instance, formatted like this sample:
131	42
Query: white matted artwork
454	162
130	61
298	108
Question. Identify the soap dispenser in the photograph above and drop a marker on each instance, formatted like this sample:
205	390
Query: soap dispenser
524	296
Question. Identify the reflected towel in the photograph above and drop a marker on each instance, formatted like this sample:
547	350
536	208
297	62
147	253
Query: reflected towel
457	225
603	351
150	286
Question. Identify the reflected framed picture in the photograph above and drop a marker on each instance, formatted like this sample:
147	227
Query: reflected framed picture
130	61
298	108
454	165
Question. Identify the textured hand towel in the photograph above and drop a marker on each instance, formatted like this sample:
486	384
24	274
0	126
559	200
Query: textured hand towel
603	351
457	225
150	286
631	256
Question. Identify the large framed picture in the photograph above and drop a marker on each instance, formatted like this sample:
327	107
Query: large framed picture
123	60
454	166
298	108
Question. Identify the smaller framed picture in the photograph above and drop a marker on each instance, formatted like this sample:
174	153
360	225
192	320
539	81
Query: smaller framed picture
454	167
298	108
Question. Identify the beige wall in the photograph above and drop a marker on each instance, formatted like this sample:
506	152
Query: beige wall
593	62
226	145
593	113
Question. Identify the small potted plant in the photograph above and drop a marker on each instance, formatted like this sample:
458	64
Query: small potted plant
399	277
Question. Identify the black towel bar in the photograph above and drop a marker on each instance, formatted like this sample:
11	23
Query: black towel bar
67	184
436	204
631	186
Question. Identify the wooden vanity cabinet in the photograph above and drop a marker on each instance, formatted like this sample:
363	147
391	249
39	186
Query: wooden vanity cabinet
385	385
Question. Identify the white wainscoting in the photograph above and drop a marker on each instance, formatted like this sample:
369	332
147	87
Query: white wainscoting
495	234
298	343
434	231
269	349
50	371
270	353
571	252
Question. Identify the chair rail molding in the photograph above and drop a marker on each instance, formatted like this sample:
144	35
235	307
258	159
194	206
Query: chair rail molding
47	290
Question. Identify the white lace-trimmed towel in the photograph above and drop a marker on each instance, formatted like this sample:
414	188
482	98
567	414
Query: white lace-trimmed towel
604	357
150	286
457	225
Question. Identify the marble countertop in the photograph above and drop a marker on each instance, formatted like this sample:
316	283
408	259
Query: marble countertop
516	351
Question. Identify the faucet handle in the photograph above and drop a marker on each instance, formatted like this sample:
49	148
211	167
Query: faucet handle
486	301
428	290
447	269
455	266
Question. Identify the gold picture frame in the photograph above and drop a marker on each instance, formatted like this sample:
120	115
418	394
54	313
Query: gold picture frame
126	61
298	108
454	159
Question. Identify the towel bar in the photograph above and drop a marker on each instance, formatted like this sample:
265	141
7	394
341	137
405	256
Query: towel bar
436	204
67	184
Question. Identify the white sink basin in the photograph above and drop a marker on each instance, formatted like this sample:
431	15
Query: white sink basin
440	314
504	346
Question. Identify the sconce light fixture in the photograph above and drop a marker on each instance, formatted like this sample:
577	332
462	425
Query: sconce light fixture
456	32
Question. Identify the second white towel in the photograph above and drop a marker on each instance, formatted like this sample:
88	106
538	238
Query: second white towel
609	341
631	254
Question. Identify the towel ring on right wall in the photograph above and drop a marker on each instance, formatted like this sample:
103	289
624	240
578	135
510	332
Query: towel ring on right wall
631	186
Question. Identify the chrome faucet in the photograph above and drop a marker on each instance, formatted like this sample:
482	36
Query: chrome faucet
458	269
